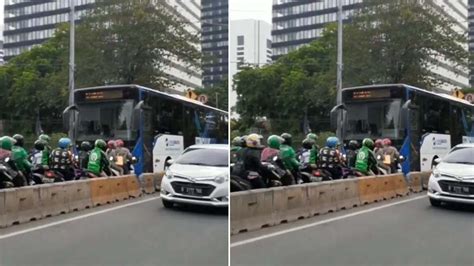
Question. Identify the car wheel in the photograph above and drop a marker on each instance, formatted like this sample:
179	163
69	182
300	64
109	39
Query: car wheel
435	203
167	204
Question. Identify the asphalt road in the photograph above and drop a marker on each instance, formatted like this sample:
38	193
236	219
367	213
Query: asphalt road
410	233
142	234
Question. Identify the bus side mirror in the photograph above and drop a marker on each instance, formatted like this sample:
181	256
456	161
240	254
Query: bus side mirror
67	116
334	117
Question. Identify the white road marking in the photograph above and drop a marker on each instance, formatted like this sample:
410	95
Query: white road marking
75	218
255	239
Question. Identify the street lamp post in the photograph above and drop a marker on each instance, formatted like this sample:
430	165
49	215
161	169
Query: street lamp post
72	37
339	62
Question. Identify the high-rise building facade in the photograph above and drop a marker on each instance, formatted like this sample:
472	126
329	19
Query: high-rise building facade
32	22
250	45
297	23
1	53
215	46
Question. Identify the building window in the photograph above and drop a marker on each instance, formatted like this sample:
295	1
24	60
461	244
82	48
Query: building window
240	40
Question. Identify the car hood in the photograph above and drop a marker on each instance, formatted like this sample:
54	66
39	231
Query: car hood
458	170
198	171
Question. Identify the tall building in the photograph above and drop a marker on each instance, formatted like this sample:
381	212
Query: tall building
215	46
250	45
32	22
1	53
297	23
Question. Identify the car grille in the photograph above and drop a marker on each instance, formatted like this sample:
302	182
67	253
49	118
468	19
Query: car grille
192	189
460	188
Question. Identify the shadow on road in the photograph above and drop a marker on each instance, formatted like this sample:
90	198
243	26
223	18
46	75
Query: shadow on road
457	207
200	209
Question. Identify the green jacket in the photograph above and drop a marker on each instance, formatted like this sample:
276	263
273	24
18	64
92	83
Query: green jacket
20	157
365	160
97	161
288	156
313	155
234	154
45	157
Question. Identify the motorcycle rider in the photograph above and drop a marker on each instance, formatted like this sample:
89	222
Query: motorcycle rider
46	150
254	170
235	148
61	159
98	161
36	156
288	157
390	155
6	145
330	158
313	159
366	163
123	157
351	154
83	156
273	149
378	147
306	152
20	157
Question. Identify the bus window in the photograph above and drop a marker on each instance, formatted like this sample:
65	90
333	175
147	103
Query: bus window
436	116
168	116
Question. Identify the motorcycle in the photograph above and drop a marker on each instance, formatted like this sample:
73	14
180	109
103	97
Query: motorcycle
239	184
9	177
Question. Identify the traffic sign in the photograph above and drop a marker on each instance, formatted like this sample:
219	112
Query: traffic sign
203	98
469	97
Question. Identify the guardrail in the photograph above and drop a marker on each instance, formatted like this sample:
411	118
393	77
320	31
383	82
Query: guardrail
25	204
256	209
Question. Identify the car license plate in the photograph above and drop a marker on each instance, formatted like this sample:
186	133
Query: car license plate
459	190
191	191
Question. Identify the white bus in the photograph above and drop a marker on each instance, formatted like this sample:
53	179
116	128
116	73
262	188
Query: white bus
423	125
154	125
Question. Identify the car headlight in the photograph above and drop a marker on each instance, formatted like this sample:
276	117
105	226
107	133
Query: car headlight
169	174
436	173
221	179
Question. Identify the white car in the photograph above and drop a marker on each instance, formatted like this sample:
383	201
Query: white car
453	178
199	176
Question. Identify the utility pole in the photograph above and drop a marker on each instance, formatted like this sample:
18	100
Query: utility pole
72	37
339	65
339	52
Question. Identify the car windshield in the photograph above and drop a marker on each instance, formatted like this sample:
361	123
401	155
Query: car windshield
105	120
207	157
461	156
373	119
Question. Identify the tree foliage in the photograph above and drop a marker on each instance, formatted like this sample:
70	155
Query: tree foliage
124	42
221	92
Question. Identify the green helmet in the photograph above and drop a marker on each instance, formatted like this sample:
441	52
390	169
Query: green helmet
369	143
312	136
101	144
6	143
274	141
45	138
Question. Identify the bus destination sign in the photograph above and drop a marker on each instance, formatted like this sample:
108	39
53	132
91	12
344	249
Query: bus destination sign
371	94
103	95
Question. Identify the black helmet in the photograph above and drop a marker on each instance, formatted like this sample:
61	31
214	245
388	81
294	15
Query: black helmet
101	144
353	145
86	146
308	143
40	144
20	140
286	138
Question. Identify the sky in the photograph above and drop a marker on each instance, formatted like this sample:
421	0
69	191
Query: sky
250	9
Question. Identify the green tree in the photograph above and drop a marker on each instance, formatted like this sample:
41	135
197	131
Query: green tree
397	41
221	92
133	42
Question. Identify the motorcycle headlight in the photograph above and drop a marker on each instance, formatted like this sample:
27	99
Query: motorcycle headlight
436	173
221	179
169	174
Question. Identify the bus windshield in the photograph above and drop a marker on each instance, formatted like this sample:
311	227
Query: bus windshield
373	119
105	120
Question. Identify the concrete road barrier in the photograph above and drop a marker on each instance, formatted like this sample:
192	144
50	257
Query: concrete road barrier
101	191
133	187
78	195
370	189
22	205
147	183
401	186
251	210
321	198
425	177
53	198
290	203
157	180
119	188
388	186
346	193
3	222
415	182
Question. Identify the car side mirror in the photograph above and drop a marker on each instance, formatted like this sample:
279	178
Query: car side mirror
437	161
169	162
